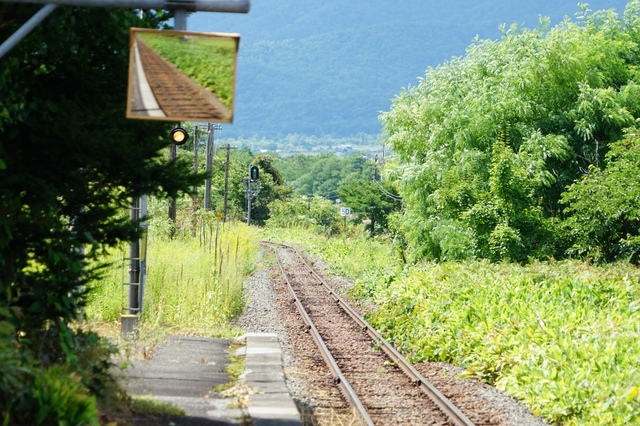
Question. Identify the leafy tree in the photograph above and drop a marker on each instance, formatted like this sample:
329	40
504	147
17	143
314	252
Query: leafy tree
371	199
322	174
239	161
487	143
272	188
272	185
295	166
69	164
603	208
315	213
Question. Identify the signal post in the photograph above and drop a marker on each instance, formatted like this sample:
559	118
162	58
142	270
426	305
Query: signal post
251	187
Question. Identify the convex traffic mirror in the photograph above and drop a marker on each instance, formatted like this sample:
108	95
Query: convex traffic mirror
182	76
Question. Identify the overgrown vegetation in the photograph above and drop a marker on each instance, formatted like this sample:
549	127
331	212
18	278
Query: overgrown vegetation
562	337
315	213
195	277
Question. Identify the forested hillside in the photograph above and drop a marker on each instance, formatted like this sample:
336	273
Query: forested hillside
330	68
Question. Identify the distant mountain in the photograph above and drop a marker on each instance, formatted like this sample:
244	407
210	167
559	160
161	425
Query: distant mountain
330	67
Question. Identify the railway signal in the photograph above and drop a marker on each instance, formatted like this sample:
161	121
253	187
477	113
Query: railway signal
179	136
251	187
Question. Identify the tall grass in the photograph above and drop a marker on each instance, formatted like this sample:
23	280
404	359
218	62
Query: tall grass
104	302
196	282
194	279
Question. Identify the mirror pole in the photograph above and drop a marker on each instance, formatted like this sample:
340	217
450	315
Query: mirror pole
180	20
28	26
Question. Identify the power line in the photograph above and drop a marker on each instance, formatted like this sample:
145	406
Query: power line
385	192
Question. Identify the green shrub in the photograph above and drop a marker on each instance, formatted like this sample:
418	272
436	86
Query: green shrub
60	399
561	337
32	395
317	214
59	387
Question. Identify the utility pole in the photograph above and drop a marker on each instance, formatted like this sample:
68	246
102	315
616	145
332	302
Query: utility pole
208	166
194	196
137	270
134	263
226	183
173	150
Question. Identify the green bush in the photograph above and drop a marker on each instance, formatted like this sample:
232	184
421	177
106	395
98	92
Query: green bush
60	386
32	395
602	207
561	337
316	213
59	398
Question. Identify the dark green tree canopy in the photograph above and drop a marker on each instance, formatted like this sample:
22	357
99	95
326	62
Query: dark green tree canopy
69	164
487	143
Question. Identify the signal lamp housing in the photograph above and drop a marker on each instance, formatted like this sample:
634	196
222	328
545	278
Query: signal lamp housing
179	136
253	174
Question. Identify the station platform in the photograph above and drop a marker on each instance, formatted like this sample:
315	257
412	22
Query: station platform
185	371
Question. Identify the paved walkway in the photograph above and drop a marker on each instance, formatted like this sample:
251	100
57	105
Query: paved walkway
185	370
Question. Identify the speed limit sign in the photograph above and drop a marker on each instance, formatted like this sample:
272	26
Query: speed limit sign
345	211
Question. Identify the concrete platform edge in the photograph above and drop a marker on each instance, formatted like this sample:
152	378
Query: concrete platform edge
273	403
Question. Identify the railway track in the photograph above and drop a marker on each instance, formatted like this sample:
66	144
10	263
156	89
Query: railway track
372	376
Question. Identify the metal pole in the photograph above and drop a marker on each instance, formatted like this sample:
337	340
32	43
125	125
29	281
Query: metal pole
230	6
134	263
209	167
142	251
25	29
226	185
194	197
172	202
180	20
249	196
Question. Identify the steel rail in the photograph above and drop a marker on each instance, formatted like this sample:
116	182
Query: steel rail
456	416
339	378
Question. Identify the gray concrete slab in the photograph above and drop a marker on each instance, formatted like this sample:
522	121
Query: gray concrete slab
271	387
264	368
273	404
185	370
263	359
263	376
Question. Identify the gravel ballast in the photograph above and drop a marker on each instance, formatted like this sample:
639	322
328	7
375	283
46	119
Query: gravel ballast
268	310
